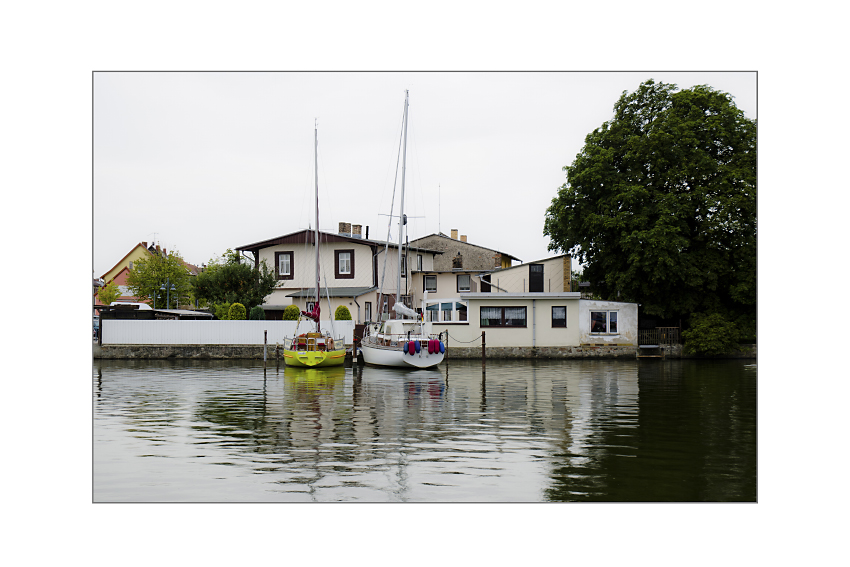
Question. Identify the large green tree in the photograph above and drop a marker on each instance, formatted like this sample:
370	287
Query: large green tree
230	279
660	205
150	274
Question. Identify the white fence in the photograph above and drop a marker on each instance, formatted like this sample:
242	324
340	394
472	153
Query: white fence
130	332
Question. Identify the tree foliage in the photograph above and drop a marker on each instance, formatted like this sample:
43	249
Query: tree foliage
150	274
221	311
237	312
660	205
291	313
257	314
711	334
108	293
342	314
230	279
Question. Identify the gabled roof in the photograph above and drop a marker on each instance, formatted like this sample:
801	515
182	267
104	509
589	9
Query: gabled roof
441	235
118	263
305	236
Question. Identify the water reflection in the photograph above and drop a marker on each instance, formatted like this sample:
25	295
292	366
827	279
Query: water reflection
510	431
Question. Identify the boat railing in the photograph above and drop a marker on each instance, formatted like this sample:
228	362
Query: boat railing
388	339
311	344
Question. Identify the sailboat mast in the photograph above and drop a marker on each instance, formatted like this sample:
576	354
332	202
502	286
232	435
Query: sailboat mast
316	230
401	219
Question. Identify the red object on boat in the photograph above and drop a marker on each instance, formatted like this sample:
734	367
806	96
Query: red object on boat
314	314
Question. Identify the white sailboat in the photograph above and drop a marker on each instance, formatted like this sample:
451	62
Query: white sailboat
407	339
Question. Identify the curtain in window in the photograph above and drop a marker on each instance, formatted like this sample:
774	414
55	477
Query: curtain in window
515	316
491	316
345	263
559	316
612	322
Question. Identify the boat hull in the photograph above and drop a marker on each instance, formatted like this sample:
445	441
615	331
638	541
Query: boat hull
314	359
378	355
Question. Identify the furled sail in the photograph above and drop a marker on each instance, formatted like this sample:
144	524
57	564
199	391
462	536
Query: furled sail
402	309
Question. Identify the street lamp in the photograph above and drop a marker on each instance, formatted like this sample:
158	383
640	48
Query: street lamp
167	287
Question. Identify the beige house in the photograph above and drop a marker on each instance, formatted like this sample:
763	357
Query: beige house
352	271
542	319
524	306
444	303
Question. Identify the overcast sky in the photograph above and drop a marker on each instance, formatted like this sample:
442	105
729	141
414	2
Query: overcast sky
202	162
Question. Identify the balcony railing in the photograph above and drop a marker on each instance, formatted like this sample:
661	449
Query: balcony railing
659	336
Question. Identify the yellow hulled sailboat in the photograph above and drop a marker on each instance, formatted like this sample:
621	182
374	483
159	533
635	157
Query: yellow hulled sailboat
317	348
314	350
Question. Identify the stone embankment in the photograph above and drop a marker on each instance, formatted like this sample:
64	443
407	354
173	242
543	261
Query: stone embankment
584	351
256	352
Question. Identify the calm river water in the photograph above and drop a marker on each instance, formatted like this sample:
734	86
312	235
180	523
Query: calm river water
511	431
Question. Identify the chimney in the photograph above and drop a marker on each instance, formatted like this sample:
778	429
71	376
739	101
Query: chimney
457	262
454	234
367	233
145	244
345	228
356	230
463	238
497	260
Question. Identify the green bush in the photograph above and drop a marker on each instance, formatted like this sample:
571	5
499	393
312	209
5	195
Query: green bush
257	314
222	311
342	314
710	334
291	313
237	312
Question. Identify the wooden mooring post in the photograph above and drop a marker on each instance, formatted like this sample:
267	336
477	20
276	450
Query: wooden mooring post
483	346
265	346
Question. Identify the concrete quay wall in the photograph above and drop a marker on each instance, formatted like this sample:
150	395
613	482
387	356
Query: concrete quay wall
585	351
185	351
256	352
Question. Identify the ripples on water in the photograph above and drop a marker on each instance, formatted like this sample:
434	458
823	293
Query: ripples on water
531	431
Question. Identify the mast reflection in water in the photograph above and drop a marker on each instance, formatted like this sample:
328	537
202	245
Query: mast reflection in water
528	431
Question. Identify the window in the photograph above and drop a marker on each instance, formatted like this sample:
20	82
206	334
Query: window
310	306
463	282
283	262
131	265
446	311
503	316
535	277
344	264
367	308
419	262
404	266
559	316
603	322
485	284
430	283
